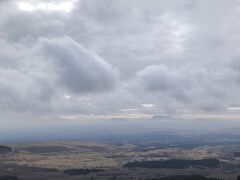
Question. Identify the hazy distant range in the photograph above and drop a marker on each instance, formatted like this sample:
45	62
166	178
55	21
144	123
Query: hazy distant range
160	129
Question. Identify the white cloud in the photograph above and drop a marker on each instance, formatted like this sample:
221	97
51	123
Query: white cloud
65	6
233	109
67	97
148	105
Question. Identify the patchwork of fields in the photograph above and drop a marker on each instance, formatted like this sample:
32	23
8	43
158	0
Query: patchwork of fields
105	161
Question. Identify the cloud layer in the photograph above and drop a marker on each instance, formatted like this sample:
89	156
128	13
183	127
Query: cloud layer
120	58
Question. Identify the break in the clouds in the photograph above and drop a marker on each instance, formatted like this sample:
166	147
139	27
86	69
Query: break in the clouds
119	58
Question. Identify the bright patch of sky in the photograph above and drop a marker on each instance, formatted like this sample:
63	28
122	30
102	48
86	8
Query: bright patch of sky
65	6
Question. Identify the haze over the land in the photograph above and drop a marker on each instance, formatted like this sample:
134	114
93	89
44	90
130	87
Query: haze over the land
119	65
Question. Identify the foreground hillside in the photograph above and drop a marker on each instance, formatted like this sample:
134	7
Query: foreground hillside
87	160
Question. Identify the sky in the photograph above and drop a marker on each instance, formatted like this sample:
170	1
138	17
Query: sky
82	61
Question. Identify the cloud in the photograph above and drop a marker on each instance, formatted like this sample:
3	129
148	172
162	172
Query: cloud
78	69
180	56
62	6
34	79
21	92
193	87
161	78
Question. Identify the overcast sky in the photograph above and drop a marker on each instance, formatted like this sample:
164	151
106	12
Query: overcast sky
85	60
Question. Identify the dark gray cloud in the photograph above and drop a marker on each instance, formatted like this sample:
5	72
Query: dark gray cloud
78	69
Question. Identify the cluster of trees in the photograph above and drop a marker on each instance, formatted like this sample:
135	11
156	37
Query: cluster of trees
186	177
46	149
5	149
237	154
8	178
75	172
174	177
175	164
